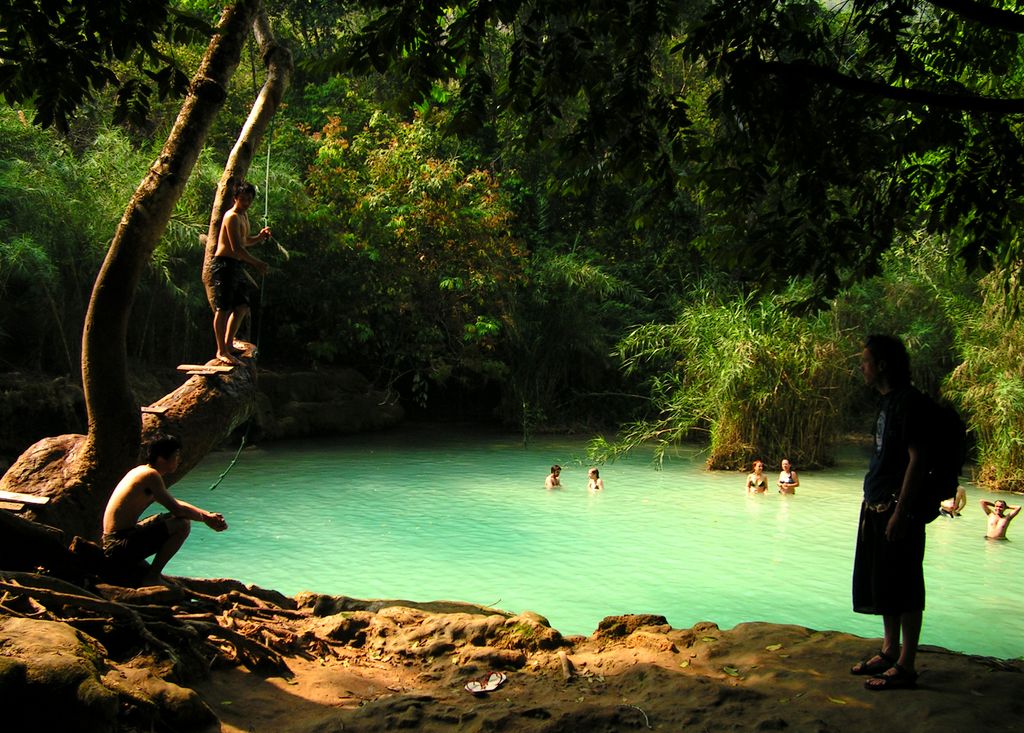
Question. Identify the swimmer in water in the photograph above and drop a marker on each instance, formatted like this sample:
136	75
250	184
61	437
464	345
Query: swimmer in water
757	483
999	516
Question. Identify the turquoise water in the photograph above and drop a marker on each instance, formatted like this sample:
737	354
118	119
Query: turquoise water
427	514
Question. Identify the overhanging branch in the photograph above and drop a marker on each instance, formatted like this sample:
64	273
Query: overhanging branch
997	18
812	72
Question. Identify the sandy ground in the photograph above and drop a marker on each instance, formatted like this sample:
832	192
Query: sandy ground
756	677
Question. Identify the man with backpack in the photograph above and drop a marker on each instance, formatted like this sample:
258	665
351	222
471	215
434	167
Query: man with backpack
888	577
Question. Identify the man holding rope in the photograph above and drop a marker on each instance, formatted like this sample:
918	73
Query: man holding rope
231	291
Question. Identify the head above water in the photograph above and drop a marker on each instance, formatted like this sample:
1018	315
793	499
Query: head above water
593	473
758	465
556	468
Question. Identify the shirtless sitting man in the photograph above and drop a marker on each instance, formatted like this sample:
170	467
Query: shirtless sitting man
999	516
126	540
552	481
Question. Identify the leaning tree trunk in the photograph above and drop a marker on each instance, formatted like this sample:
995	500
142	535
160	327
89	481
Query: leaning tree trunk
79	472
278	60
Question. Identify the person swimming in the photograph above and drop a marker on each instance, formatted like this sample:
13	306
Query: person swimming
595	482
999	516
788	480
757	483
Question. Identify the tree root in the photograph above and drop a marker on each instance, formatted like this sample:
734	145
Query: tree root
234	627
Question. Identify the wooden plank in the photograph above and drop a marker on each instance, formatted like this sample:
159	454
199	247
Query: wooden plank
212	368
13	506
25	498
154	409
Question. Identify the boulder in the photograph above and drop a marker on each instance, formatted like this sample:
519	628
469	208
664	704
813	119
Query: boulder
50	668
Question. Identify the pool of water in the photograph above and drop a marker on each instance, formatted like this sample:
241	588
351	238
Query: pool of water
428	514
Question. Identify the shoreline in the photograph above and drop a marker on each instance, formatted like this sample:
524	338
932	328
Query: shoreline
632	673
343	664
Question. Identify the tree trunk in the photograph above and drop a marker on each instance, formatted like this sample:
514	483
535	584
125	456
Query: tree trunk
278	61
79	472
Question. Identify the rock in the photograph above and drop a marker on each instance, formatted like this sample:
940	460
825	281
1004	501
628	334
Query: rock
158	704
287	405
324	605
54	677
617	626
52	668
32	407
324	402
488	657
652	641
401	712
348	629
530	631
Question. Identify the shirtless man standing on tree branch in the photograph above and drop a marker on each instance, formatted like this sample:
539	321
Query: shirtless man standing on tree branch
231	290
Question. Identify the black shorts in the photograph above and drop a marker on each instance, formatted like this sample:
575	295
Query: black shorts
128	546
888	577
230	285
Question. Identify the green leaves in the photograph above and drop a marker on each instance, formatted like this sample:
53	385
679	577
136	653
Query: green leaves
586	73
851	99
756	377
430	246
59	55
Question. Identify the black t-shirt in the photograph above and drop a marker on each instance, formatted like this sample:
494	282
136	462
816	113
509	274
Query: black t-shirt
900	424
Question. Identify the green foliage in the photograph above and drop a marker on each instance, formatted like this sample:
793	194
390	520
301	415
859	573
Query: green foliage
60	55
423	246
589	71
563	320
988	387
597	155
51	243
892	115
922	295
59	209
757	379
810	133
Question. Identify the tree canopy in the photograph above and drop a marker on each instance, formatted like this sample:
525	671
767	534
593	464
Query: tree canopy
58	55
500	205
826	127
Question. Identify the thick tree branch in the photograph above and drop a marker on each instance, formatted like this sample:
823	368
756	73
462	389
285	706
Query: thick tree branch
278	61
113	413
985	14
806	71
78	473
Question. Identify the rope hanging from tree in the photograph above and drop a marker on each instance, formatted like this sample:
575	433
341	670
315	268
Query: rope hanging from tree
262	283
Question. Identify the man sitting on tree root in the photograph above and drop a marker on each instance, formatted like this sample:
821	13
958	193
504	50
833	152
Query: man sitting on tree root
127	542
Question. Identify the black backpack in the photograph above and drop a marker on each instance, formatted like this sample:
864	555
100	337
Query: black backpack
945	453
